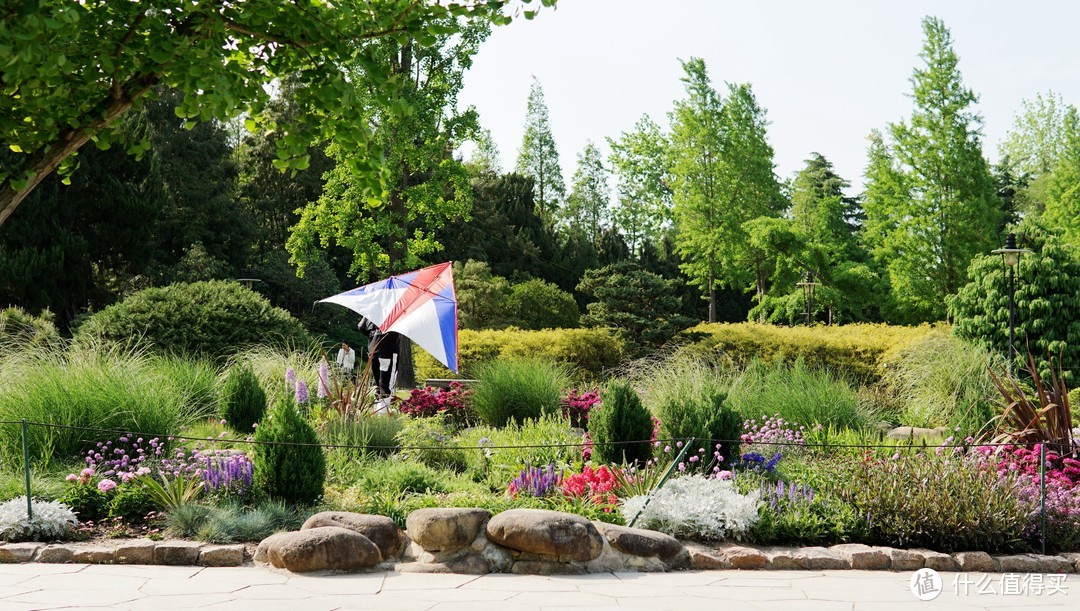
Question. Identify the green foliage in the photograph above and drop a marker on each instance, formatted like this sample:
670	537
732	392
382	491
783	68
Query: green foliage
858	352
590	196
537	304
430	441
398	477
95	388
799	394
131	503
88	503
518	390
20	329
481	296
538	157
949	504
940	380
168	494
232	523
504	452
803	516
587	352
639	306
639	159
212	319
1047	303
620	426
243	401
931	203
289	463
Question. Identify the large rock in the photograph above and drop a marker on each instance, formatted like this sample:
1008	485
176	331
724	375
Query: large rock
743	557
972	562
863	557
380	530
19	552
319	549
802	558
564	536
639	542
445	529
705	558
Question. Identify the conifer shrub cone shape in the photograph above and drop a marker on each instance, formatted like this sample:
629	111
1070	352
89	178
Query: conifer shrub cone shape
621	417
244	400
289	464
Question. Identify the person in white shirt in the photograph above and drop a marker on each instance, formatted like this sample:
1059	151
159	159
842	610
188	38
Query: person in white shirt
346	359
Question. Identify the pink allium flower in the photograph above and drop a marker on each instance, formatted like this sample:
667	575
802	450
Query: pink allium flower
106	485
72	477
724	475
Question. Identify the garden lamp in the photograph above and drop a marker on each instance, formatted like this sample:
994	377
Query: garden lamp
1010	255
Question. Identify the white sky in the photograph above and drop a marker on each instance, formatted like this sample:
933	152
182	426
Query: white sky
826	71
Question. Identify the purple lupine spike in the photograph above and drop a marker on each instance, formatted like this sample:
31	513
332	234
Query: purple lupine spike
324	381
290	376
301	392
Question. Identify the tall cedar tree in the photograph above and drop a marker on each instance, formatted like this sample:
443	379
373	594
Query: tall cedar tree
723	176
538	157
937	206
587	207
639	159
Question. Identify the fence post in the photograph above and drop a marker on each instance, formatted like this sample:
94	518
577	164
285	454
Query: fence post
1042	495
26	469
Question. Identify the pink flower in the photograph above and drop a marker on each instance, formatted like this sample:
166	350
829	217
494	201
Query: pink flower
106	485
72	477
724	475
87	472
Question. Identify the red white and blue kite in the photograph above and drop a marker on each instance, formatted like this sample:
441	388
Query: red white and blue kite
420	305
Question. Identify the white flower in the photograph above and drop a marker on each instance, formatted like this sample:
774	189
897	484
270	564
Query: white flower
52	520
696	506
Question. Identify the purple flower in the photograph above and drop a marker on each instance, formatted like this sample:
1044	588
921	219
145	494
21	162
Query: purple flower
324	381
301	392
290	376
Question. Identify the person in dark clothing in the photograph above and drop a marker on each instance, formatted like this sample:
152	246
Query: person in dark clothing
383	351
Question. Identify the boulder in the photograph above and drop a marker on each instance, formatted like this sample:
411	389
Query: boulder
19	552
906	559
177	553
704	558
743	558
975	562
938	561
380	530
136	551
221	555
325	548
445	529
639	542
563	536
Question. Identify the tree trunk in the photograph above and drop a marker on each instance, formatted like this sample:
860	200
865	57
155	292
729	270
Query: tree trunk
712	295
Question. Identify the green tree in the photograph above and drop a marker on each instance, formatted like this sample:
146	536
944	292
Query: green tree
1047	301
621	426
723	176
427	185
81	66
1063	186
481	296
929	224
1037	138
485	158
538	157
640	306
590	195
639	160
537	304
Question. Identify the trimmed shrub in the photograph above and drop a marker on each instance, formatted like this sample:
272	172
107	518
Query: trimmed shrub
537	304
621	418
243	399
213	319
858	351
515	390
293	473
588	352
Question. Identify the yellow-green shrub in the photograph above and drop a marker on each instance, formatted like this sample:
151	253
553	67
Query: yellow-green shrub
589	351
858	351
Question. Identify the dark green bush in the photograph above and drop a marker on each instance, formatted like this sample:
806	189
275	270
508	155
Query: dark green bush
621	418
212	319
289	464
243	399
518	390
537	304
88	503
131	502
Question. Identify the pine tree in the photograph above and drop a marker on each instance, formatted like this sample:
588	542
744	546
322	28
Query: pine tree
485	159
586	208
538	157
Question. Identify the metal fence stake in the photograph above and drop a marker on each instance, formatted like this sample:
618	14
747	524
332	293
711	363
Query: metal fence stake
26	469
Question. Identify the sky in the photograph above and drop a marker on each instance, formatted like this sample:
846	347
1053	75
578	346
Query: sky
827	72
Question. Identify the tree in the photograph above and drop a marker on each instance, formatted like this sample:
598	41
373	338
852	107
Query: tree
640	306
538	157
1063	186
640	161
485	158
536	304
821	209
723	176
81	66
481	296
427	185
1047	301
587	206
937	207
1037	138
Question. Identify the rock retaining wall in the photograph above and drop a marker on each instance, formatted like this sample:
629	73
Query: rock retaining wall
527	541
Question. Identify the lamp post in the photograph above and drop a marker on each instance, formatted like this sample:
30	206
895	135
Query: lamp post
1010	255
808	290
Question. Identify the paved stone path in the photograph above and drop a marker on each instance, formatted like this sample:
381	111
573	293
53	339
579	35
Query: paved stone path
77	586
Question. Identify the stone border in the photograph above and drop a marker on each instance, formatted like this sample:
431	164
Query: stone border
127	551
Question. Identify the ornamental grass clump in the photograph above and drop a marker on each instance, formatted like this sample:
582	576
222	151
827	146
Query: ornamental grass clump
52	520
516	390
696	506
